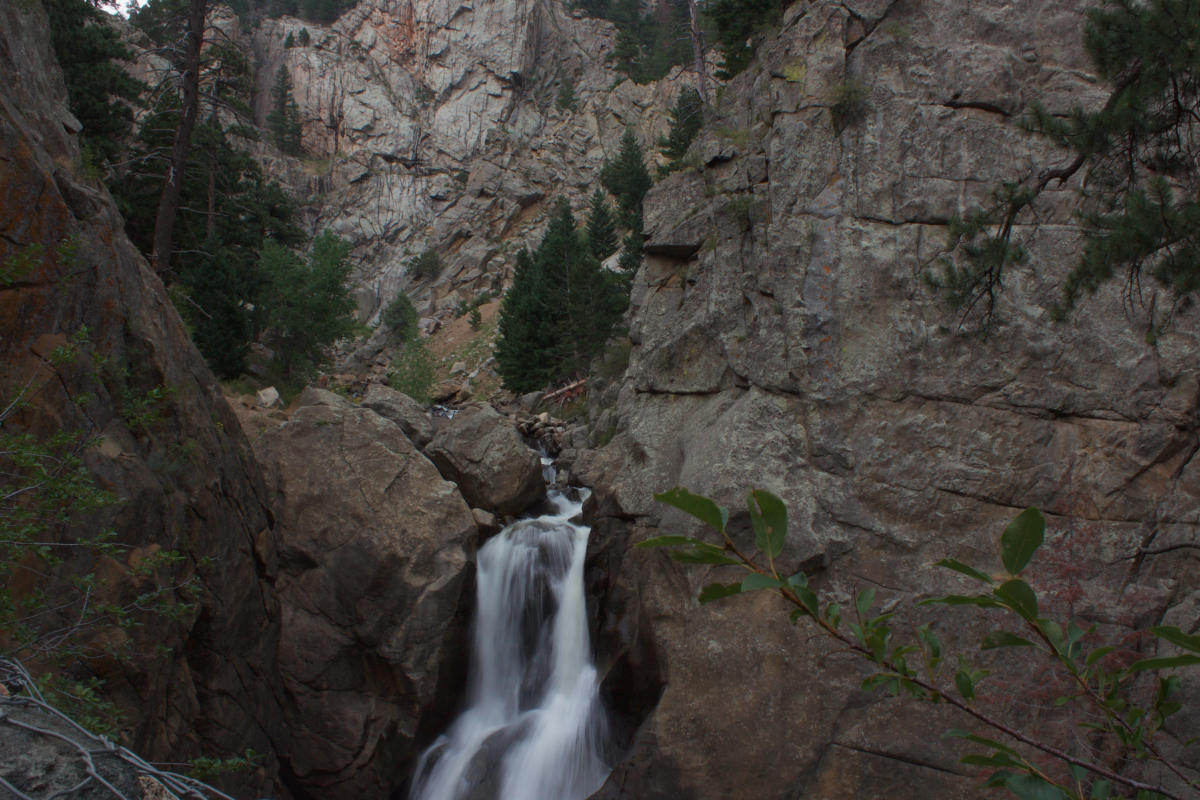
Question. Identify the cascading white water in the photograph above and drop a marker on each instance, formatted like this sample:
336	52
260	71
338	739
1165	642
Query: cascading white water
533	728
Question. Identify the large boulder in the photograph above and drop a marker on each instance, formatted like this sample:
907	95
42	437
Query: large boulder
482	452
374	566
401	409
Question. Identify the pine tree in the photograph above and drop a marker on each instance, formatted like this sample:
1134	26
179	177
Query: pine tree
739	25
101	93
601	227
308	304
559	310
1139	200
626	177
227	210
284	118
687	118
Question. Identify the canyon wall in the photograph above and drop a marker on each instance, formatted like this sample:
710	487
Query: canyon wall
434	125
165	442
784	338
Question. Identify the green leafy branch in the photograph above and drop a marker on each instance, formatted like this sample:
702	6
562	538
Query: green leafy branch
872	638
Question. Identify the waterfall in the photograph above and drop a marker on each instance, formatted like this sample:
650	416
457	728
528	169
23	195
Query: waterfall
533	728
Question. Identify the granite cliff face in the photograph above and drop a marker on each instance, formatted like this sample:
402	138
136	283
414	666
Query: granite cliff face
783	339
433	124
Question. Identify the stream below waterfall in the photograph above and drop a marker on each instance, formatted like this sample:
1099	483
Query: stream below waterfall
533	727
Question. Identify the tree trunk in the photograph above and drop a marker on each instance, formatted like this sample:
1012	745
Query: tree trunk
168	202
698	53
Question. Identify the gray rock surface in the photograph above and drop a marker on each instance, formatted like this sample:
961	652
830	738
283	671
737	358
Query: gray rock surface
433	124
481	451
374	559
784	339
401	409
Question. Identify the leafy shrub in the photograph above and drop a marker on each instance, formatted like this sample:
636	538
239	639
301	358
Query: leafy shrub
566	97
426	265
412	372
401	317
1113	721
848	103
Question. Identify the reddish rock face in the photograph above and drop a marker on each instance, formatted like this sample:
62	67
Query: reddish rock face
205	683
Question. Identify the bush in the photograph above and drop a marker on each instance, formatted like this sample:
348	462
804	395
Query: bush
848	103
566	97
426	265
412	372
1110	717
401	317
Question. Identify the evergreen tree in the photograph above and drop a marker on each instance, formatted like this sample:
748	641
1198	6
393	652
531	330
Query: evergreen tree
626	177
1140	197
304	37
648	45
601	227
559	310
308	304
101	93
284	118
687	118
739	26
227	209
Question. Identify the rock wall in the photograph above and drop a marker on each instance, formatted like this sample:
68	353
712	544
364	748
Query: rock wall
376	555
433	124
167	444
783	338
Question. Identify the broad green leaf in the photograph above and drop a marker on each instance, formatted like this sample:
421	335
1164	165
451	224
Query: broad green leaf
799	579
669	541
703	554
753	582
1021	539
1003	639
699	506
769	521
994	760
1017	595
809	600
981	600
715	591
958	733
865	599
1097	654
1164	662
1177	637
932	644
966	686
1100	790
969	571
1031	787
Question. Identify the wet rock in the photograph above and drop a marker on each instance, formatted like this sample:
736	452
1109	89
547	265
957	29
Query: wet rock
481	451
